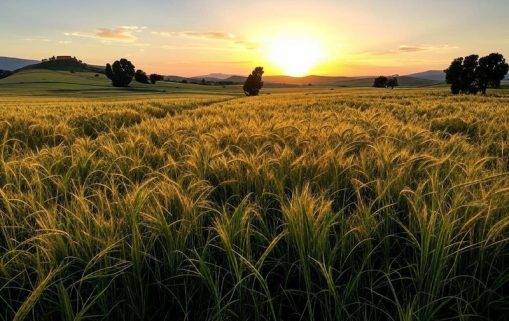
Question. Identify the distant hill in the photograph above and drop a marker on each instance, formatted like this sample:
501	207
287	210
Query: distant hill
314	80
406	81
237	79
174	78
213	77
11	64
72	65
436	75
289	80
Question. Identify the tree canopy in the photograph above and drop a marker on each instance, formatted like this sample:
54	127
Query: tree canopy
392	82
380	82
469	75
491	71
155	78
385	82
254	83
121	73
141	77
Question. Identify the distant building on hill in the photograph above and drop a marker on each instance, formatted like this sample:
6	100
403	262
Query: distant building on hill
59	58
64	58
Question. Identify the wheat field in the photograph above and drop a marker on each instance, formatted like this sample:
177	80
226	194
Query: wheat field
346	204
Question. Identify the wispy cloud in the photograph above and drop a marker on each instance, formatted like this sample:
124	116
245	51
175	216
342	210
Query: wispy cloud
120	34
209	35
411	49
406	48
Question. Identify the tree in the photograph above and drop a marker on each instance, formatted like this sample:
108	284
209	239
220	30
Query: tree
453	75
380	82
491	71
203	82
141	77
155	78
392	82
470	75
254	82
121	73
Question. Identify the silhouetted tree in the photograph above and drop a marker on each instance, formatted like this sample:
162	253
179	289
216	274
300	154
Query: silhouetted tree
453	75
203	82
155	78
380	82
121	73
184	81
470	75
392	82
141	77
254	82
491	71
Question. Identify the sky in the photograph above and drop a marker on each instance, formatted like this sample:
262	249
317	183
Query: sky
196	37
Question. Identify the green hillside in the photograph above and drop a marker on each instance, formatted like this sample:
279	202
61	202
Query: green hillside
88	84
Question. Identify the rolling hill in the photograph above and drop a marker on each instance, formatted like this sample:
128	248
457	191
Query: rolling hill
435	75
72	65
213	77
44	82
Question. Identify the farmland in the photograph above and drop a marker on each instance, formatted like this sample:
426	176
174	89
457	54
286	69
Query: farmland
199	204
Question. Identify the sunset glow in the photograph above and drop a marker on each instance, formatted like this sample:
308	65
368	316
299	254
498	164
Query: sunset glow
198	37
294	56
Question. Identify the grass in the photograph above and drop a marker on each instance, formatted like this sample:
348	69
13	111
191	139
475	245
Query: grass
48	83
317	204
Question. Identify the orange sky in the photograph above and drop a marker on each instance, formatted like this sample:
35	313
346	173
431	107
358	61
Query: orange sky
327	37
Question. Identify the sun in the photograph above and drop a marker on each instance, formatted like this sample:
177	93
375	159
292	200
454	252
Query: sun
293	55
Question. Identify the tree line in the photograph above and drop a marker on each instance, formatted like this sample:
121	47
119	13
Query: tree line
122	72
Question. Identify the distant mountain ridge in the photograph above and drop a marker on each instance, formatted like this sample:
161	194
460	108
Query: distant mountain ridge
11	64
213	76
426	78
438	75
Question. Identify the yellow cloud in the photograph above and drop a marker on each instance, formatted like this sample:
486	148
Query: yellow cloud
121	34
